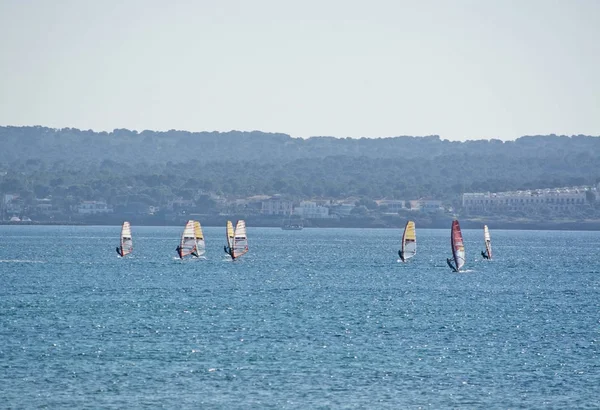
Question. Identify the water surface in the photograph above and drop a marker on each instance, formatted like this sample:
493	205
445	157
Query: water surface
318	318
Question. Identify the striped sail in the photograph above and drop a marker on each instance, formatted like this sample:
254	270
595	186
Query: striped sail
488	241
458	248
409	242
200	245
229	235
240	241
188	240
126	242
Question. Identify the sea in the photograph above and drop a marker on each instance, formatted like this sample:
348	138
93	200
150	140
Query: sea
311	319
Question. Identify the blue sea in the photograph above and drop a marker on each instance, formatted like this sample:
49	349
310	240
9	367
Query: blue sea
311	319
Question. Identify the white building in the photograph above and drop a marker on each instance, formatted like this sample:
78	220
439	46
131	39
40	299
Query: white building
44	206
310	209
430	205
276	206
12	204
393	205
556	199
93	207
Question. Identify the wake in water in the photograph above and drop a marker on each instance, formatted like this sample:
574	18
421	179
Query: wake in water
20	261
199	258
466	271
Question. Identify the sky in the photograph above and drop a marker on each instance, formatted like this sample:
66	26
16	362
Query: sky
460	69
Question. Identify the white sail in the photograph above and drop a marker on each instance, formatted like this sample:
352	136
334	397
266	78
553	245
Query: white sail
488	241
126	240
240	240
200	244
188	240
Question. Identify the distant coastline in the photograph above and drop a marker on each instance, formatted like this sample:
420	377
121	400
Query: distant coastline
466	223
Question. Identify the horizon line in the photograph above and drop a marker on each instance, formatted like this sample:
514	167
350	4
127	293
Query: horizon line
302	137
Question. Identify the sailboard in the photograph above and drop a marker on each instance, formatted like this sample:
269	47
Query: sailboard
487	254
126	245
409	242
237	241
188	245
458	248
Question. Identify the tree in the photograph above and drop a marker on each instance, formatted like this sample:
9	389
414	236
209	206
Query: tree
359	211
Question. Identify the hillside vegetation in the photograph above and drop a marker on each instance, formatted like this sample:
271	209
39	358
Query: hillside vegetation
153	167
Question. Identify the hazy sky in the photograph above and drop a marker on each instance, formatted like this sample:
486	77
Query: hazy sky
345	68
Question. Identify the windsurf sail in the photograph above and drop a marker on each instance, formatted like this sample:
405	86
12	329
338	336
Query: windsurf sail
409	242
126	243
230	236
458	248
187	244
200	244
488	242
240	240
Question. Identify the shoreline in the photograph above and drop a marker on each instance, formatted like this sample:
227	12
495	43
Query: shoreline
355	224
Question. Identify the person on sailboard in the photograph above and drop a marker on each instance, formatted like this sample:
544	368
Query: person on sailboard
484	254
195	253
226	249
179	249
119	251
401	255
449	262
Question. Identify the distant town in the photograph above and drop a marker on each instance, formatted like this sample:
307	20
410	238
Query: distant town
74	176
262	210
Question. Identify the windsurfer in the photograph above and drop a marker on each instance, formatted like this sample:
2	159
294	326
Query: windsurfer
449	261
119	251
194	253
401	256
484	254
179	249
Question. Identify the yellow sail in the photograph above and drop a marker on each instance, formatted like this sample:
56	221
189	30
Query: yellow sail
410	235
409	242
229	234
198	230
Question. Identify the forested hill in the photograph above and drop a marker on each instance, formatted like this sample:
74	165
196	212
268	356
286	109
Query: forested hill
151	147
156	166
